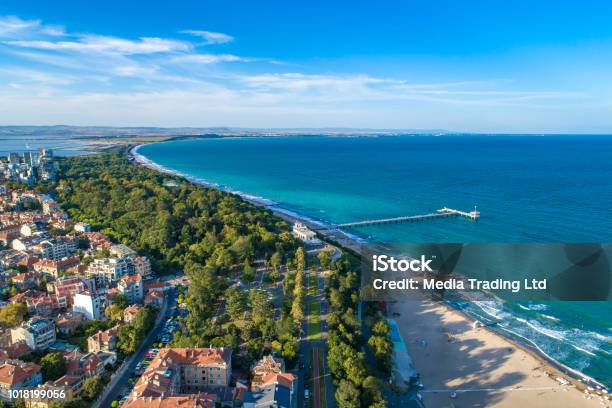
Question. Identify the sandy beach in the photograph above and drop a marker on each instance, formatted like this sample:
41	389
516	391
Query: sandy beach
481	367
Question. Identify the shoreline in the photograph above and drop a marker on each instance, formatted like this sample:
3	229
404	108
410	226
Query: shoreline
576	379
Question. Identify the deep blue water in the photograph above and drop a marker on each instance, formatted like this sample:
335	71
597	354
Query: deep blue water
528	189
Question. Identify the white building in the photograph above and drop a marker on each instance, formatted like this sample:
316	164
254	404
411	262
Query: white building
304	234
121	251
131	286
109	270
27	230
142	266
50	206
82	227
90	305
56	248
38	333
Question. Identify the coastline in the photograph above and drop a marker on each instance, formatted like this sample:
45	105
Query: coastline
529	355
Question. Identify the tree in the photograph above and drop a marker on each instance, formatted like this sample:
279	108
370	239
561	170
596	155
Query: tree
128	339
275	261
121	301
324	259
381	345
114	312
248	271
260	306
381	328
53	366
347	395
92	387
12	315
236	302
291	348
372	388
297	309
300	259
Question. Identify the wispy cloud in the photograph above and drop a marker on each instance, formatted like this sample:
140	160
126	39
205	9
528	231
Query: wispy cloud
108	45
12	26
209	58
101	79
210	37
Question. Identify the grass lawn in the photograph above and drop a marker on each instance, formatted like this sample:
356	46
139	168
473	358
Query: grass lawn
314	320
313	287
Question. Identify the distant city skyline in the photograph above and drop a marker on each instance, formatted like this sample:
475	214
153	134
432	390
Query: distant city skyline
517	67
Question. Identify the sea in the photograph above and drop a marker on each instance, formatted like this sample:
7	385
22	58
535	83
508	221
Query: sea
60	145
528	188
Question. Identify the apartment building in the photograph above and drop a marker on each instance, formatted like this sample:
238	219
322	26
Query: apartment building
109	270
38	333
176	371
89	304
15	375
132	288
56	248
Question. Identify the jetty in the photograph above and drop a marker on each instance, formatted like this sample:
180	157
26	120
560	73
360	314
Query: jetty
441	213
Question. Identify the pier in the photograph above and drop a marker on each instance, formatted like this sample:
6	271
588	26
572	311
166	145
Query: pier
441	213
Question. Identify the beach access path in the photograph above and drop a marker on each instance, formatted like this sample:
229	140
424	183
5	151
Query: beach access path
482	368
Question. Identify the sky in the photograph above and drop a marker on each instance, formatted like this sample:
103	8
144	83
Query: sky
466	66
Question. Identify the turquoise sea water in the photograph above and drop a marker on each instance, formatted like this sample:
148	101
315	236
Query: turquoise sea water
528	189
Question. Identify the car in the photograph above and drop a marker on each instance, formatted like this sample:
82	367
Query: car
396	314
306	394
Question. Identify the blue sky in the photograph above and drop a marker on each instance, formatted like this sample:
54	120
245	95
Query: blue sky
483	66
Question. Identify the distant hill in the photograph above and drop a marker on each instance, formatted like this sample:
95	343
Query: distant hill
63	131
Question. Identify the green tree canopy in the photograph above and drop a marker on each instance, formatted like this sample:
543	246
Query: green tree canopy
53	366
12	314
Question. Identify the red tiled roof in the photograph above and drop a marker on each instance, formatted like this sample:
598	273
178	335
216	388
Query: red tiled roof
69	380
17	349
13	373
131	279
204	400
283	379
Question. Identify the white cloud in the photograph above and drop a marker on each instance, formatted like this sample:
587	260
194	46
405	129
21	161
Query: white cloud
209	58
12	26
134	71
298	81
210	37
94	79
108	45
22	75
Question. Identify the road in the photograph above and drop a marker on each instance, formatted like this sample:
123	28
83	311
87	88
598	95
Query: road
310	348
316	379
119	379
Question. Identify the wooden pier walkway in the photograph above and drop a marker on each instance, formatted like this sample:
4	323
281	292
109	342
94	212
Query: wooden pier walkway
442	212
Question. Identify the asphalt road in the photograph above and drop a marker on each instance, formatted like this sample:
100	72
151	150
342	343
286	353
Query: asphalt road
119	379
306	351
